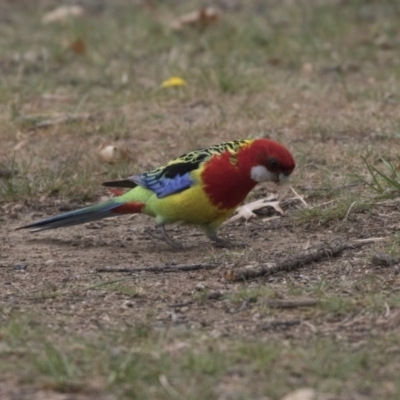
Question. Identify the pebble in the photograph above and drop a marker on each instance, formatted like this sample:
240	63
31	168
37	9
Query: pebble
199	287
215	295
127	304
20	267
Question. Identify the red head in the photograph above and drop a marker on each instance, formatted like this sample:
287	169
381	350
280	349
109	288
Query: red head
267	160
229	178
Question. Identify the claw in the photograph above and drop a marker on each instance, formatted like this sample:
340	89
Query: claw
169	241
224	243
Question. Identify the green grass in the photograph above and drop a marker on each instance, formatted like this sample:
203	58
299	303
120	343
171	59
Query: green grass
335	212
393	247
141	363
48	180
385	181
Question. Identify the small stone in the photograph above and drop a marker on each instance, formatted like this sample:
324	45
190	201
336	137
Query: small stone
49	262
214	295
20	267
199	287
384	260
127	304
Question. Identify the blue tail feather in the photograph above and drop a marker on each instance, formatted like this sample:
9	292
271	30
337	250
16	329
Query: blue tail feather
76	217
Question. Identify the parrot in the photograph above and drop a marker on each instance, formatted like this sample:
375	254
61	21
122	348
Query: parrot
202	188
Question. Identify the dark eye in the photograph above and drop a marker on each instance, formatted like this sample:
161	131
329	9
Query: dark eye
273	163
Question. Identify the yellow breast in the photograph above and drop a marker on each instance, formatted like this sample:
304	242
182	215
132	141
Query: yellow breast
190	206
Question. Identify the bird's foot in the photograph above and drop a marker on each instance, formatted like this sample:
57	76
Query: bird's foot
174	245
224	243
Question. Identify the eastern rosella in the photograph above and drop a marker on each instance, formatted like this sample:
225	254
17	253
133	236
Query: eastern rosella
202	187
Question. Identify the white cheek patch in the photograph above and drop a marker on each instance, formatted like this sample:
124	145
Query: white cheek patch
260	174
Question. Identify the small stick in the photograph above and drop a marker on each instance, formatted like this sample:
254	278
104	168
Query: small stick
161	268
291	303
301	198
290	263
279	324
64	119
57	119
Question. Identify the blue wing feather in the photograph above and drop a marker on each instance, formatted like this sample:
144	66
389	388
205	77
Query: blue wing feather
163	186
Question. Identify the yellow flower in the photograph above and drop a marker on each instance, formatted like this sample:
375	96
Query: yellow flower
174	81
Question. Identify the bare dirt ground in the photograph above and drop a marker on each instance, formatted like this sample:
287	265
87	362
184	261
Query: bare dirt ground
65	262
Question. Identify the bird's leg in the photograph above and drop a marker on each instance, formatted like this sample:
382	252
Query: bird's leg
172	243
219	242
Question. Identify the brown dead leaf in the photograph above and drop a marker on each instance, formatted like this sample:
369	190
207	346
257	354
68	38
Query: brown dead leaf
274	61
78	46
196	19
307	68
61	14
383	42
20	145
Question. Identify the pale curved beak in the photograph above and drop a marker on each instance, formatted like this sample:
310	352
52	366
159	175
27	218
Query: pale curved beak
283	178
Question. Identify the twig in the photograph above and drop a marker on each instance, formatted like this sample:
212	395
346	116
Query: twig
301	198
279	324
387	313
348	211
167	386
291	303
161	268
323	189
65	119
57	119
292	262
372	240
179	305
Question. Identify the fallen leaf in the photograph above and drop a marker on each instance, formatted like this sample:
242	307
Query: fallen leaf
174	81
301	394
20	145
307	68
274	61
78	46
197	19
246	211
62	13
383	42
